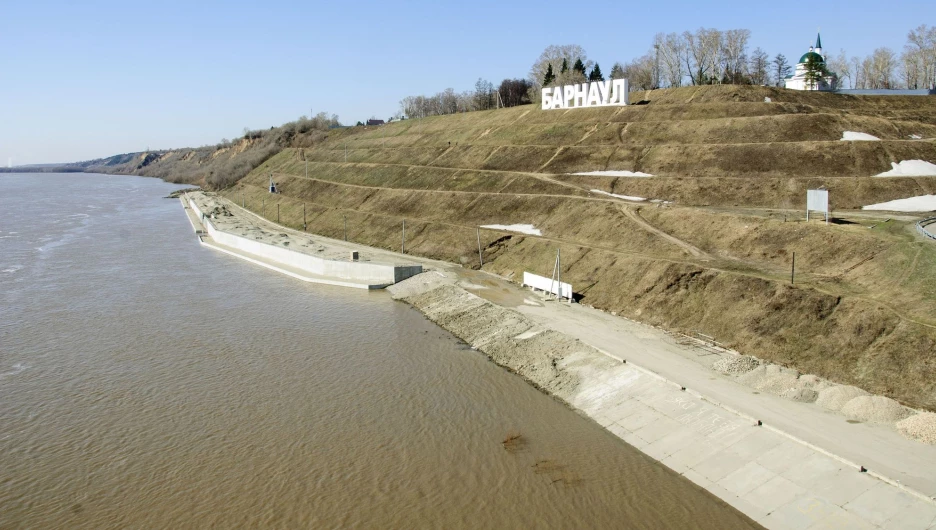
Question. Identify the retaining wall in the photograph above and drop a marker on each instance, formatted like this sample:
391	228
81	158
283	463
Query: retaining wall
358	271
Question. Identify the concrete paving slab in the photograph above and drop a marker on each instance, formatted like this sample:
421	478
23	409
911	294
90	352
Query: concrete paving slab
626	409
759	442
731	499
634	440
917	516
720	465
784	456
746	479
802	513
842	520
843	486
654	452
618	431
773	494
813	469
658	429
602	420
676	440
879	503
695	453
641	419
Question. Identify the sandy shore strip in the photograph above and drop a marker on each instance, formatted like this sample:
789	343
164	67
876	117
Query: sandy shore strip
775	478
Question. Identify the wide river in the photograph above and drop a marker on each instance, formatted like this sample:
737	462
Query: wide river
147	382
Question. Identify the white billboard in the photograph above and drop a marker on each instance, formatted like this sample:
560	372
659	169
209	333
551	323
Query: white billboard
550	285
817	201
612	92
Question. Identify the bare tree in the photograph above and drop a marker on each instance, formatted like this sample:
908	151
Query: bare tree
639	73
839	66
923	41
513	92
733	55
858	73
702	58
671	49
484	94
911	68
759	67
554	55
882	65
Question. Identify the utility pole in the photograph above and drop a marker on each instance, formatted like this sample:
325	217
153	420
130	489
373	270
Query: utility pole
346	227
303	218
403	244
480	257
277	213
793	269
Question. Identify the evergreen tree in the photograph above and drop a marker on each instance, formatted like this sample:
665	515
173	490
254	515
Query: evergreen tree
814	71
565	66
550	77
781	68
595	74
579	67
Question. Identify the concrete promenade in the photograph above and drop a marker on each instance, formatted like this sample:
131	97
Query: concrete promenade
310	259
801	468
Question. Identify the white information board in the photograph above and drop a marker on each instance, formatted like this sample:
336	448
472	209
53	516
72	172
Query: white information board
817	201
560	289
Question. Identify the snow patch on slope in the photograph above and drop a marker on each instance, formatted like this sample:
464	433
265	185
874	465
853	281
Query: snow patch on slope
614	174
920	203
522	228
910	168
851	136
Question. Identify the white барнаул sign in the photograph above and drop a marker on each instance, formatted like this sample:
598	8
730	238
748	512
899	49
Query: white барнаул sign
612	92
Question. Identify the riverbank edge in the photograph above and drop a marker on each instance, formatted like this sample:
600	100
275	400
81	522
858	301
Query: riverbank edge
573	371
207	235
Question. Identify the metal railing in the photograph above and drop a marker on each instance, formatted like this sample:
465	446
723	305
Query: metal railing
921	227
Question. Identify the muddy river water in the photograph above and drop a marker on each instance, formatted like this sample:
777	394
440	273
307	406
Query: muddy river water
147	382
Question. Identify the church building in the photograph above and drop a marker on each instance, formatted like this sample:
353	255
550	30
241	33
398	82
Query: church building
800	81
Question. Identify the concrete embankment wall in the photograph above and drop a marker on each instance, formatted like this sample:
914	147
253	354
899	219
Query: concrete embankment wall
361	271
774	478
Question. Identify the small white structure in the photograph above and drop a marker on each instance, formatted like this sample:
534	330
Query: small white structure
549	285
799	79
272	184
817	201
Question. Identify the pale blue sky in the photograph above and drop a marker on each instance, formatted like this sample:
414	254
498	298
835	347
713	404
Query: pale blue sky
93	79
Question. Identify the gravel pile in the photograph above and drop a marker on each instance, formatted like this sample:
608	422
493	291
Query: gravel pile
835	397
735	364
803	395
771	378
920	427
876	409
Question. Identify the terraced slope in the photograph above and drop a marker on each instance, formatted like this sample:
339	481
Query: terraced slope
715	257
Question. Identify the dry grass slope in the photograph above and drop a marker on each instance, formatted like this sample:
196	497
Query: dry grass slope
716	260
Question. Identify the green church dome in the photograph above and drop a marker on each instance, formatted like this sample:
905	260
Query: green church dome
811	57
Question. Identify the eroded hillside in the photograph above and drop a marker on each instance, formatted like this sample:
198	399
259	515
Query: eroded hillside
712	254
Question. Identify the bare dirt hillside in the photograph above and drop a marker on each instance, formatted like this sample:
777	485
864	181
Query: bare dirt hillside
712	254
